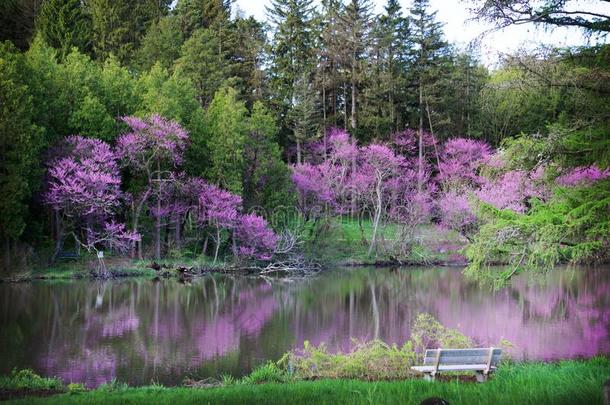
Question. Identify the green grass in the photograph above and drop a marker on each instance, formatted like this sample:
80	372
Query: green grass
118	266
566	382
346	241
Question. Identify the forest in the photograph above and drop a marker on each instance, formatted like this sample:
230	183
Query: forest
157	129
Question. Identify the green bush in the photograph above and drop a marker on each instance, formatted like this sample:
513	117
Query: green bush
266	373
27	379
76	388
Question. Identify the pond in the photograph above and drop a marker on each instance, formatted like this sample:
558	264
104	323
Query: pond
139	331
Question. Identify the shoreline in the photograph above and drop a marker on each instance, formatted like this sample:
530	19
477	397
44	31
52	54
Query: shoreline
573	382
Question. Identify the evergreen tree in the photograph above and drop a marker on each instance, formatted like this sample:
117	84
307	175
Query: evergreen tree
331	55
429	53
196	14
17	21
266	178
302	115
354	34
204	63
225	123
20	143
161	44
64	24
394	49
47	85
119	26
246	43
291	49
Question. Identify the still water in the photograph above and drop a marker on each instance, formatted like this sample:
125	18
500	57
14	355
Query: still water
139	331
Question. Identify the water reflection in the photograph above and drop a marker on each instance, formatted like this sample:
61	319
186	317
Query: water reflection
139	331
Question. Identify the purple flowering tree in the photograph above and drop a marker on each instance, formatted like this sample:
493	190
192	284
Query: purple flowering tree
582	176
153	146
218	209
378	169
255	239
459	162
84	191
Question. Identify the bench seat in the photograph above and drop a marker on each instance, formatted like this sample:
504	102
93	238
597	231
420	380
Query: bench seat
482	361
455	367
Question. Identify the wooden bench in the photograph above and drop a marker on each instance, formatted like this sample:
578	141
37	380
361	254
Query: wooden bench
65	255
482	361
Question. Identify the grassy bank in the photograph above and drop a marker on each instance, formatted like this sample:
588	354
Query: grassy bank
566	382
345	241
84	268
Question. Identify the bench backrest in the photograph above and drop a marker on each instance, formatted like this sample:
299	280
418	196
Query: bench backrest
451	357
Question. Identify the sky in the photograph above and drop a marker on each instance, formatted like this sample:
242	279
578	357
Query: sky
460	31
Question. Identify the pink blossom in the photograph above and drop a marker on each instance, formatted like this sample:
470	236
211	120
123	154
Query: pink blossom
582	176
255	239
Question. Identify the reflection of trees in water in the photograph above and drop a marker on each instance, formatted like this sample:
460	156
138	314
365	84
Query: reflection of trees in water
565	316
135	330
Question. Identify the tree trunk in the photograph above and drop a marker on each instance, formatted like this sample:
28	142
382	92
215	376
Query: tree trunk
158	217
353	116
178	230
298	150
377	216
420	161
217	245
58	237
7	254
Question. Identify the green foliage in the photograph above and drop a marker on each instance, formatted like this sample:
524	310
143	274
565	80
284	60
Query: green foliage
427	332
118	27
171	96
266	178
113	386
267	373
204	62
27	379
20	144
161	44
76	388
93	119
225	123
572	226
373	360
64	24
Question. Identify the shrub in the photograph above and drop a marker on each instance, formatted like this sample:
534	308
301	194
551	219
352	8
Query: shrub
27	379
367	360
266	373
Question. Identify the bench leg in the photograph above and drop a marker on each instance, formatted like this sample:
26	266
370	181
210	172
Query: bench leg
481	376
429	376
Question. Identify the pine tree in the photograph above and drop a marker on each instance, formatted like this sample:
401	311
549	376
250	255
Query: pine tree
196	14
225	123
17	21
64	24
292	57
20	143
330	54
119	26
161	44
354	34
302	115
245	44
429	53
204	64
395	47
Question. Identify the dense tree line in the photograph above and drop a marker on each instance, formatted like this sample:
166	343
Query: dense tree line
258	97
